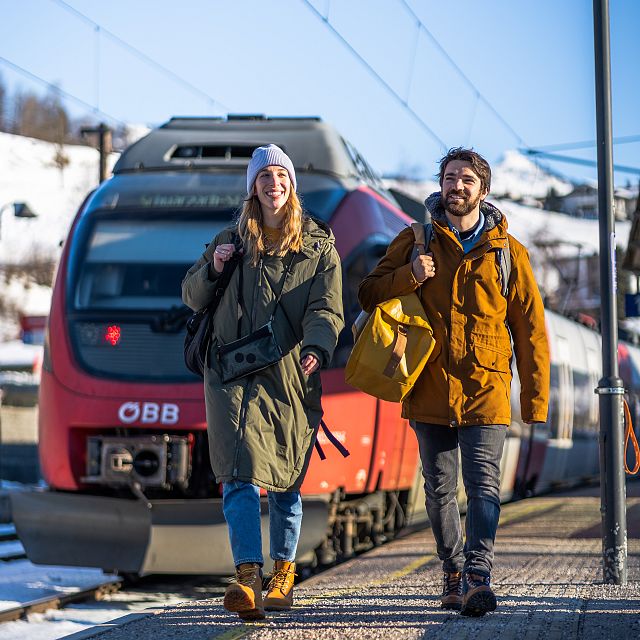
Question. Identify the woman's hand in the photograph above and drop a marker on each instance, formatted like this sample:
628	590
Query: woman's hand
221	254
309	364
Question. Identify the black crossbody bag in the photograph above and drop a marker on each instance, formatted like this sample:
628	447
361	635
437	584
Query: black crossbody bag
200	325
253	352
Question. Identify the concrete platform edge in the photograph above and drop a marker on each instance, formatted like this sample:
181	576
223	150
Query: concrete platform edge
104	627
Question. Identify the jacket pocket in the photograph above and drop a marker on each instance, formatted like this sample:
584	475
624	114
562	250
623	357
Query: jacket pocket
492	352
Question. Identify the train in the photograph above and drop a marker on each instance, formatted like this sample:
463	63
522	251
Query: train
122	430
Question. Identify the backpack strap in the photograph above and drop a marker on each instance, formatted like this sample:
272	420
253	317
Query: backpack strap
503	259
422	237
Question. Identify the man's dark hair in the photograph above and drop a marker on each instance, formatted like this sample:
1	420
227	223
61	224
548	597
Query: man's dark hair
479	165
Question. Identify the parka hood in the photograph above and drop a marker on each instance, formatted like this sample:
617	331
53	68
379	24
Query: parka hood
493	217
314	230
316	235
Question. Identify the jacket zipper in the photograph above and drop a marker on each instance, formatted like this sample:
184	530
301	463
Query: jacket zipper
255	296
245	390
243	420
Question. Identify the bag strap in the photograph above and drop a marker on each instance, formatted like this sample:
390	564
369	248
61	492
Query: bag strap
223	280
422	237
399	347
503	257
424	233
287	268
333	440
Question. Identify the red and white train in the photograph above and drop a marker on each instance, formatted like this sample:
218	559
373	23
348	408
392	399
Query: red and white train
122	434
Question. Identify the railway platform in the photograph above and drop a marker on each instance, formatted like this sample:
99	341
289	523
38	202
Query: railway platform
547	578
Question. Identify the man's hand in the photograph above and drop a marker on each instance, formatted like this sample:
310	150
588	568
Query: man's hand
423	267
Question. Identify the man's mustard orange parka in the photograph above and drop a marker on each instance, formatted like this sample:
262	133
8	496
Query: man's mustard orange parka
467	379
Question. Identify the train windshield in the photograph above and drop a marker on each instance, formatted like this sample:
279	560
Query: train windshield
129	254
138	264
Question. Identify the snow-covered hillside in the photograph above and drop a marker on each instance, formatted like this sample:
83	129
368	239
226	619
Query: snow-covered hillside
28	173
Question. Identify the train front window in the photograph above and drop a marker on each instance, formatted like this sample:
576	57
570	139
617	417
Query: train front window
138	264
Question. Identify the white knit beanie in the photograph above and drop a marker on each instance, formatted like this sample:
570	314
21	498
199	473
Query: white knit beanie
266	156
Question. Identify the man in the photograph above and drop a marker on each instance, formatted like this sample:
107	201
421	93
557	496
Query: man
462	398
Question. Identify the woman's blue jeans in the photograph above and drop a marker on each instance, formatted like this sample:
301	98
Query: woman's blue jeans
480	452
241	506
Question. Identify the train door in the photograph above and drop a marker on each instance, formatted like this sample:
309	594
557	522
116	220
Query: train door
561	405
582	460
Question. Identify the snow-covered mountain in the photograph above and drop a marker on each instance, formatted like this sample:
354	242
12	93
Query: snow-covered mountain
519	177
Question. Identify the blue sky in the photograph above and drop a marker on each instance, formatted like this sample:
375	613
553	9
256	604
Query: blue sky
528	66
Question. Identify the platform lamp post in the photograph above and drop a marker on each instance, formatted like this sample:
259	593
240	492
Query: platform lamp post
104	145
610	387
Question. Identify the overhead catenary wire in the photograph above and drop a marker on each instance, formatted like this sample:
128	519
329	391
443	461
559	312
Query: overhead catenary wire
464	76
586	144
403	101
142	56
62	92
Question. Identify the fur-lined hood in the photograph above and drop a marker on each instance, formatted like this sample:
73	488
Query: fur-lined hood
492	215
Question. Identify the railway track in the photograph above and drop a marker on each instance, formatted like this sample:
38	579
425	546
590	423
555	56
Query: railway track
13	562
58	601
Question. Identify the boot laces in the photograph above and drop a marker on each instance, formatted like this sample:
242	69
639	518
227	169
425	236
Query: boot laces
477	580
246	576
452	583
279	579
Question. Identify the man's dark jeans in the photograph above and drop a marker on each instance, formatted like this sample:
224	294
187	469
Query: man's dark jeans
480	451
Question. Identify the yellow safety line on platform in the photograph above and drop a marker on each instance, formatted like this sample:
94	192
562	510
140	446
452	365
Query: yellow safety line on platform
245	631
410	568
526	510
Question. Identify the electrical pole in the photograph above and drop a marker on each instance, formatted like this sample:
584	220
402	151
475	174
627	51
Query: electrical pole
610	387
104	145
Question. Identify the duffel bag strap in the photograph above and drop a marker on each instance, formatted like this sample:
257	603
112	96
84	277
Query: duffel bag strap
399	348
333	440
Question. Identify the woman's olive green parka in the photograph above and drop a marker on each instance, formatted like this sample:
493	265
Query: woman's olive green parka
262	427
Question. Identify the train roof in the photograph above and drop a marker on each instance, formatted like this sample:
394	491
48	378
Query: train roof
192	143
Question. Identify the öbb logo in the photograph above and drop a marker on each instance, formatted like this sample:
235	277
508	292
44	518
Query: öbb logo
149	412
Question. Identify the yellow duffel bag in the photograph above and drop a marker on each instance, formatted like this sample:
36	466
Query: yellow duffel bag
392	349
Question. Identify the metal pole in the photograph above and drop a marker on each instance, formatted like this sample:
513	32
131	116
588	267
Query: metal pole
102	130
104	146
610	387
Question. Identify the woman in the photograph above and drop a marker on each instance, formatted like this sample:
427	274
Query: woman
262	426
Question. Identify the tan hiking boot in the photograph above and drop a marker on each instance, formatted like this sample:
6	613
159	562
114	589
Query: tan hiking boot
478	597
244	596
280	594
451	597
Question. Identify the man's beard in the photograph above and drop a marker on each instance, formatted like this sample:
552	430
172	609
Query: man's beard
463	208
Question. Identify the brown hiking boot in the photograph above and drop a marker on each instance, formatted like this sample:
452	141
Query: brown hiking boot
478	598
244	596
451	597
280	594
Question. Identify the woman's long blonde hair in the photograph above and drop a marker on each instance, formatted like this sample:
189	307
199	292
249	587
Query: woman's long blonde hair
250	223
